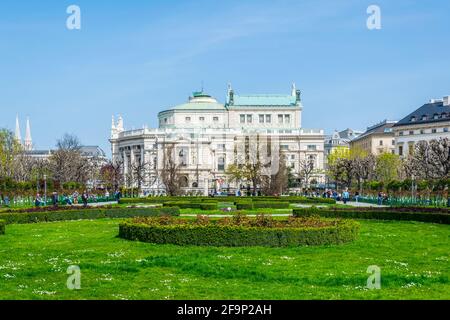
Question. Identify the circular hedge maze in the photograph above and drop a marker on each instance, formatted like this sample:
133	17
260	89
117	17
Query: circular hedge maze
240	231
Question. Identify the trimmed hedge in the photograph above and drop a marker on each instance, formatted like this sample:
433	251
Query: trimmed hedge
2	227
380	214
191	205
271	204
244	205
232	236
209	206
293	199
86	214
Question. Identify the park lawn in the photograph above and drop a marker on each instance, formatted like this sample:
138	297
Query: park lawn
413	257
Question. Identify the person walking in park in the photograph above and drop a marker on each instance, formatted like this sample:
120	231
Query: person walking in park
75	197
380	198
84	198
38	200
55	199
345	196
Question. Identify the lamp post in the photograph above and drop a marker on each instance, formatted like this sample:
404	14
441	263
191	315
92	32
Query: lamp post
412	188
45	189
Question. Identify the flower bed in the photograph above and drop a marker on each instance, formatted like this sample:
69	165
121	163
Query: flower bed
408	214
85	214
240	231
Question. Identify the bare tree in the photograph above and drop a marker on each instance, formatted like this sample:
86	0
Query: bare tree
170	172
67	164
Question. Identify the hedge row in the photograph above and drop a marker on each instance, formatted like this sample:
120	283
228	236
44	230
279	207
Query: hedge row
230	236
249	205
2	227
86	214
191	205
306	200
381	214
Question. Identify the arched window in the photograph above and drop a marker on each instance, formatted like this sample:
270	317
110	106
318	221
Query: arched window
221	164
195	185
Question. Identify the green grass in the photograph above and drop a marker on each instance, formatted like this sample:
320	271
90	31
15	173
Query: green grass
413	257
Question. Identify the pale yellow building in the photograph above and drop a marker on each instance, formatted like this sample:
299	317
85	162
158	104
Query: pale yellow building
377	139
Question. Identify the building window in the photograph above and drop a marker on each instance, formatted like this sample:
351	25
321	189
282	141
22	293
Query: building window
284	147
445	129
381	142
188	119
424	117
165	120
242	118
202	118
433	131
436	116
400	133
312	147
268	118
221	147
411	133
293	157
287	118
249	118
393	142
413	119
221	164
261	118
422	131
216	119
280	118
400	150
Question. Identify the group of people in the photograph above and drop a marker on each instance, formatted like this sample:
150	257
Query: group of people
345	196
66	199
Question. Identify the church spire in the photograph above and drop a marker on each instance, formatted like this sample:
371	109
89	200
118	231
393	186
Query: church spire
28	142
18	135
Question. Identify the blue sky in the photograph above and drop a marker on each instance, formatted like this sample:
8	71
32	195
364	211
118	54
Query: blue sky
137	58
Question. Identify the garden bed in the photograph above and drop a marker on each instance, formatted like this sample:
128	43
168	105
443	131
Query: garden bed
409	214
84	214
240	231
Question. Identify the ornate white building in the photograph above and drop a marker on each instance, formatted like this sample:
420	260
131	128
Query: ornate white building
205	133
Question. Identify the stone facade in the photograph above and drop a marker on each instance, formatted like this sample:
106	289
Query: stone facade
206	134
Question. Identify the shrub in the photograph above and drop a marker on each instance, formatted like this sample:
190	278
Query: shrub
208	206
228	234
244	205
376	213
271	204
86	214
2	227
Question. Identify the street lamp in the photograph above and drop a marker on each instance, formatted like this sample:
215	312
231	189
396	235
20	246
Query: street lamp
45	189
412	187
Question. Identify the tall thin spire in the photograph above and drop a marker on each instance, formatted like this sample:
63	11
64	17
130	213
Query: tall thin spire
28	142
18	135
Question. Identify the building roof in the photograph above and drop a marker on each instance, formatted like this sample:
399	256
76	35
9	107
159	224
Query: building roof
272	100
434	111
199	101
86	151
384	127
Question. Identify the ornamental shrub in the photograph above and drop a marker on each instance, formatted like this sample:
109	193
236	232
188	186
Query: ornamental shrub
85	214
247	233
405	214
